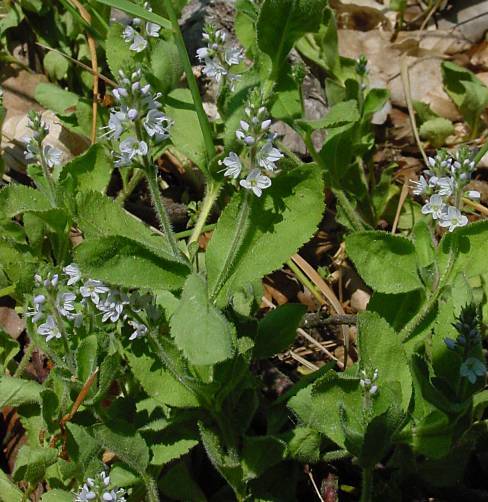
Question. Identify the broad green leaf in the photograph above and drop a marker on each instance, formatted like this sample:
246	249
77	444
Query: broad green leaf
467	245
18	199
90	171
286	104
317	406
277	330
166	452
424	244
282	22
125	262
280	222
127	444
244	24
205	337
8	490
17	391
340	114
31	463
57	495
84	448
186	134
166	67
109	370
56	99
436	131
387	263
259	453
86	357
380	348
118	53
424	112
304	445
8	349
375	99
137	11
159	383
55	65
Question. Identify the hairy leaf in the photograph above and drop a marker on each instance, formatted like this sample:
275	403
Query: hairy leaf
31	463
8	490
18	199
386	262
205	337
166	452
16	391
280	222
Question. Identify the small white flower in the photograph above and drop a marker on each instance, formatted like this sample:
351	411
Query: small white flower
242	134
214	70
31	148
256	182
473	194
265	124
152	29
139	43
203	54
73	272
114	496
119	93
131	147
233	55
65	304
446	186
267	156
93	289
157	124
420	187
85	494
453	219
113	306
37	312
233	165
49	329
140	330
435	207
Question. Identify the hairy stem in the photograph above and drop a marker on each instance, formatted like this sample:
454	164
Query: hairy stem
136	178
47	176
192	82
367	485
25	360
211	195
163	217
64	336
237	239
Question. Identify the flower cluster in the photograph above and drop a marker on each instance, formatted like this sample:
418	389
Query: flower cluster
36	149
70	298
136	33
467	342
259	155
137	117
368	383
219	59
99	489
444	183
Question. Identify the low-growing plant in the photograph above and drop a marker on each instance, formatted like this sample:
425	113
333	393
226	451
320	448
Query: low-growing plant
151	341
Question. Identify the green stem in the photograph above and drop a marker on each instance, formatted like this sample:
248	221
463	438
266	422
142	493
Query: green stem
187	233
305	281
237	239
367	485
340	196
131	186
192	82
25	360
409	330
211	195
47	176
481	153
152	182
8	290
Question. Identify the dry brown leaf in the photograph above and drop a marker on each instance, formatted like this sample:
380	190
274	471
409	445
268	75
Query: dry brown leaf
11	322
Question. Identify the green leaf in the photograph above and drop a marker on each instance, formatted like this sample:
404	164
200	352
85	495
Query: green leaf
166	67
166	452
281	23
286	104
86	357
8	490
436	131
205	337
340	114
281	221
56	99
304	445
260	453
424	111
387	263
57	495
278	329
127	444
109	369
470	241
380	348
159	383
8	349
424	244
55	65
186	134
83	448
90	171
317	405
18	199
137	11
117	50
125	262
177	483
16	391
31	463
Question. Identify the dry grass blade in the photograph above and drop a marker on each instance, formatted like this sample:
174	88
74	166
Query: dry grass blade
401	201
475	205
